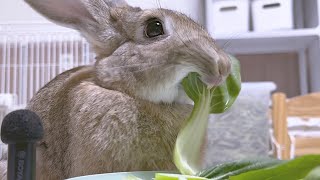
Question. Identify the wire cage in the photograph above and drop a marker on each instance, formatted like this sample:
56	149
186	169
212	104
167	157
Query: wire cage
29	58
33	54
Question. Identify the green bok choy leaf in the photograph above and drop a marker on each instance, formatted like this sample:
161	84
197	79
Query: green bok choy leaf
206	101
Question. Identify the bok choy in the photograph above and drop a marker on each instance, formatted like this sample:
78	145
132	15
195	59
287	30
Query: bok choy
206	101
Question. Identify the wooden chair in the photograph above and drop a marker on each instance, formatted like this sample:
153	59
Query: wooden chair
290	140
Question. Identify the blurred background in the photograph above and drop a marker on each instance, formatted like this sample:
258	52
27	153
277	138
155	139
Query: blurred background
276	41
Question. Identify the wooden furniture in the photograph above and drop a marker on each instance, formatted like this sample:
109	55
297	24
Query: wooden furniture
299	109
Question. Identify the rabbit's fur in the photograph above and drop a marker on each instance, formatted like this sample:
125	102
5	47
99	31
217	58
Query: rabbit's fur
124	112
90	129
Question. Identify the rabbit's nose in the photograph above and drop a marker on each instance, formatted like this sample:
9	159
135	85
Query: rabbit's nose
224	66
217	72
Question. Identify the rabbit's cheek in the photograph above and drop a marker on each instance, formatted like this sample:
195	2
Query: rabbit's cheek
112	74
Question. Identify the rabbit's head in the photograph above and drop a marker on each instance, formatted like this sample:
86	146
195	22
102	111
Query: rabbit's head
145	53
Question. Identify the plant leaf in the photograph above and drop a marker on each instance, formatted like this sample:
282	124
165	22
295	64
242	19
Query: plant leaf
216	100
224	171
223	96
292	170
187	150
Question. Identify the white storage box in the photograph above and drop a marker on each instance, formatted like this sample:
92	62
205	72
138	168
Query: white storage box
272	15
227	17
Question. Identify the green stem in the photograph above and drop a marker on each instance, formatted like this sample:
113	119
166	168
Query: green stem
190	138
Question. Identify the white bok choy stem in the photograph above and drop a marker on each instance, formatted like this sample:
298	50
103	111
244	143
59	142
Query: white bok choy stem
192	135
218	99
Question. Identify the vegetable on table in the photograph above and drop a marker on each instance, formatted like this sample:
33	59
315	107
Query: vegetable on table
296	169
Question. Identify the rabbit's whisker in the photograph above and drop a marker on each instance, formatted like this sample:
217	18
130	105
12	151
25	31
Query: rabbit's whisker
229	42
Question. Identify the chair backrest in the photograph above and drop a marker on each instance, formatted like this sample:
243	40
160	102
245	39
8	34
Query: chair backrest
305	106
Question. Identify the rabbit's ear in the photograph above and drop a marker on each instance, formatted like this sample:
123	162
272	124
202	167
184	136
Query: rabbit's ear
94	19
70	13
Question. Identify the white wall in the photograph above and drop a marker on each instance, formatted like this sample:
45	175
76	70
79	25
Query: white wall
192	8
13	11
18	11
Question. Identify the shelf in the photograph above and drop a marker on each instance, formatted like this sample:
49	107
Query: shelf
268	42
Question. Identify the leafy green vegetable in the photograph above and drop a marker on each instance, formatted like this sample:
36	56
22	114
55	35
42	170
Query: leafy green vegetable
190	137
224	171
206	101
295	169
223	96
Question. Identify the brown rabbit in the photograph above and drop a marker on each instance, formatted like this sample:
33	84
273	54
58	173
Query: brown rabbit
124	112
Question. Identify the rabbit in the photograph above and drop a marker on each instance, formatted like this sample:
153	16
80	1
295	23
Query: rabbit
124	112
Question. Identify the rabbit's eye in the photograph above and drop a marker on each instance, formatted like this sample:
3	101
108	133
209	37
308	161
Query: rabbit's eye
153	28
